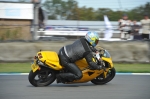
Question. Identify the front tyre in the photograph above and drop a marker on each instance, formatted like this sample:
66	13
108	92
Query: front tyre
100	80
43	77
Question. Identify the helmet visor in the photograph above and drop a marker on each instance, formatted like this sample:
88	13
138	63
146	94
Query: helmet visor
96	42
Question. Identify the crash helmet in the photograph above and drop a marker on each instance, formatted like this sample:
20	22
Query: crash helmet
92	38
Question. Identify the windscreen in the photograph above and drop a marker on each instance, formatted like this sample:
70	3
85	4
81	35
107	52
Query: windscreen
106	54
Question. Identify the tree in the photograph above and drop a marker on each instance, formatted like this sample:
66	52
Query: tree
22	0
87	13
137	13
60	9
69	10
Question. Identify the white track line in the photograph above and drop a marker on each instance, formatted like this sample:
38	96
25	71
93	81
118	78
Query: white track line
9	74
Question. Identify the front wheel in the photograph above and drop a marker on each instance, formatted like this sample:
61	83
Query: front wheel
43	77
100	80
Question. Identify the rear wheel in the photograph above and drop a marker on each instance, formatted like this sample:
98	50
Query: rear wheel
43	77
101	80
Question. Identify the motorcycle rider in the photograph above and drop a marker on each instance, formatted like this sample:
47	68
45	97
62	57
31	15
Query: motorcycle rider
69	54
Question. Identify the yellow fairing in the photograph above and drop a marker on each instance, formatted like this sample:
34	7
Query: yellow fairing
87	73
82	64
50	58
109	60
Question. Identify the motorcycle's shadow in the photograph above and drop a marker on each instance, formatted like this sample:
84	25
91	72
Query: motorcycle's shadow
70	85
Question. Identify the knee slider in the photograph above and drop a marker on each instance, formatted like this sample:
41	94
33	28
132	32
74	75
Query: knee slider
79	76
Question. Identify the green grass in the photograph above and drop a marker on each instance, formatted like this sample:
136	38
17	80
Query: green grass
25	67
133	68
15	67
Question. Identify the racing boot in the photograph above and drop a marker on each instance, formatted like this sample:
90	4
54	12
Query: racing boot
65	77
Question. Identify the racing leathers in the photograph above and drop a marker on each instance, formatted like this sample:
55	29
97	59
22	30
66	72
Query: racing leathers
70	54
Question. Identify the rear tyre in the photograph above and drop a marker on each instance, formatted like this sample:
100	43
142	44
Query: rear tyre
100	80
43	77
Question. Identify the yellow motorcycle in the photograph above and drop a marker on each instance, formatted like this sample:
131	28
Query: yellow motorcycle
46	66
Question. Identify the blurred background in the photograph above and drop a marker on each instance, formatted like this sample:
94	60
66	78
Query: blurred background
68	19
123	26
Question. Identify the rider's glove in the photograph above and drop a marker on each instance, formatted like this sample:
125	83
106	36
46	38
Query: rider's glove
99	67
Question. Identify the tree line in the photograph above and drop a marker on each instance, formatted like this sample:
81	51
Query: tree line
69	10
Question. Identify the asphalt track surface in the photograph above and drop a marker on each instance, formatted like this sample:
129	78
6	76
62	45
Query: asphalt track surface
121	87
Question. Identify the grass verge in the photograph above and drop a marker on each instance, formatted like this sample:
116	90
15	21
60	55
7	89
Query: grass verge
25	67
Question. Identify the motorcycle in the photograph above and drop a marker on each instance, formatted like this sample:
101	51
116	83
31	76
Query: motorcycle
46	66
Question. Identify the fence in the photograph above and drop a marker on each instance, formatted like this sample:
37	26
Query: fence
54	27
